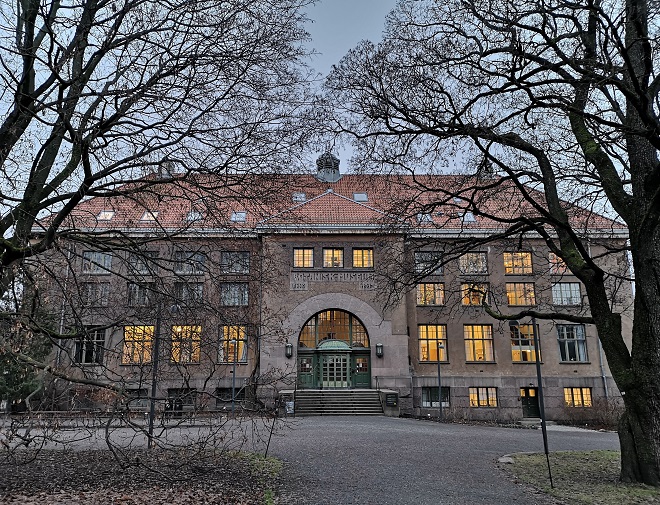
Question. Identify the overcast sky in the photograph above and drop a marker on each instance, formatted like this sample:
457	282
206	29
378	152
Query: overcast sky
338	25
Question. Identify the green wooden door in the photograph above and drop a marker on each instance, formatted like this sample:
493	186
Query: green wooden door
307	371
361	374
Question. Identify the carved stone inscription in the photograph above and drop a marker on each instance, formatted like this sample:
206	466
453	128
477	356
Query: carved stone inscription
299	281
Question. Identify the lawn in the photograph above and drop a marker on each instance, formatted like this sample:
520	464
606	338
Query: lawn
581	478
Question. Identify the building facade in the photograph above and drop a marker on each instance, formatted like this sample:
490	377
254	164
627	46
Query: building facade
322	284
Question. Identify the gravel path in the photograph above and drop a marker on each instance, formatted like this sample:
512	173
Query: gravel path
381	460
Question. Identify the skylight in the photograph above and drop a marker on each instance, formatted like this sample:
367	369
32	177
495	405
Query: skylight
105	215
424	217
299	197
360	197
149	215
194	215
468	217
238	216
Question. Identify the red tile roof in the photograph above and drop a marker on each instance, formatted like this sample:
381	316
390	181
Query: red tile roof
419	202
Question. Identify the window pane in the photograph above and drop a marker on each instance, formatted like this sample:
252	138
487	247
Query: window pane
432	342
186	342
520	293
363	258
478	343
235	262
233	346
137	344
566	293
522	343
572	342
95	262
474	294
333	258
303	258
473	263
517	262
432	293
428	262
188	262
234	294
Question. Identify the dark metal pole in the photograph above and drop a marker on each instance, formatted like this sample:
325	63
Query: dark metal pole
440	347
233	377
541	404
154	378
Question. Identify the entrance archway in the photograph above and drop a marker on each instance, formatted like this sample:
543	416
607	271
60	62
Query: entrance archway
334	351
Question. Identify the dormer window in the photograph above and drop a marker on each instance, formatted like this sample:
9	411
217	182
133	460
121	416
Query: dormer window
194	215
299	197
105	215
149	216
238	216
360	197
424	217
468	217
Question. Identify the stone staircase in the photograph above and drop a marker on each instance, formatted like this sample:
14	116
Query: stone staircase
338	402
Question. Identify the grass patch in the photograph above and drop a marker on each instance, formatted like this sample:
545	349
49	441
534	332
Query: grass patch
582	478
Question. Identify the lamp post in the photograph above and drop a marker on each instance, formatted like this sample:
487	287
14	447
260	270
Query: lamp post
440	348
233	342
154	376
539	379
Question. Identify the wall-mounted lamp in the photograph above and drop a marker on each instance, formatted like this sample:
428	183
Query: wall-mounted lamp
379	350
288	349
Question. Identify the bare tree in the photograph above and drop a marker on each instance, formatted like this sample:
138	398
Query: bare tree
104	105
557	100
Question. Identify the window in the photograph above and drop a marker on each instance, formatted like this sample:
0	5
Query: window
140	295
428	262
432	342
483	397
186	344
234	294
468	217
223	396
333	258
473	263
517	262
233	344
105	215
299	197
360	197
333	325
303	257
194	215
238	216
430	397
94	294
363	258
572	343
137	345
522	344
137	399
431	293
566	293
557	265
189	292
474	293
180	397
424	217
95	262
187	262
149	215
143	262
577	397
520	293
478	342
235	262
89	348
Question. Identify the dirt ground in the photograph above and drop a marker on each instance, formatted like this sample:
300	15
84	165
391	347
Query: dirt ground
139	477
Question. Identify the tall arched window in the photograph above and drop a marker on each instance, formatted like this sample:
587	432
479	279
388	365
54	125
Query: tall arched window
333	325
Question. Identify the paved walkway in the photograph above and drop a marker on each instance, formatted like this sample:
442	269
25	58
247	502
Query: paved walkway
382	460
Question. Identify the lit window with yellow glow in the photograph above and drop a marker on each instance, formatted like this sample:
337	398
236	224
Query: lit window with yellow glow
186	342
363	258
137	345
303	257
333	258
520	293
474	294
483	397
432	342
518	263
478	342
431	293
522	344
233	344
577	397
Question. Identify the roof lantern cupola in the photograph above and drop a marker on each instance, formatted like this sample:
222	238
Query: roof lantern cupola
327	166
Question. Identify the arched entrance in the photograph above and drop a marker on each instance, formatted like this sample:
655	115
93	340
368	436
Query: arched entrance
333	352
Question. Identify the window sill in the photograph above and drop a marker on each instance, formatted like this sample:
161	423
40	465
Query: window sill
575	362
525	362
481	362
434	362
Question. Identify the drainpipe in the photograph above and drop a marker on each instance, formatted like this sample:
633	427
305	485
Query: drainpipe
602	369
